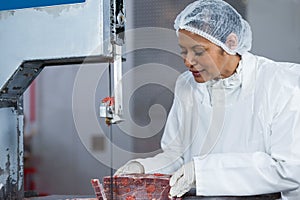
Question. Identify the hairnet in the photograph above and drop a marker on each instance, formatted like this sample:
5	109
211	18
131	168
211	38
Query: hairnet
215	20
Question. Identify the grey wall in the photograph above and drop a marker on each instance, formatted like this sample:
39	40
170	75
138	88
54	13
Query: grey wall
154	14
64	166
276	28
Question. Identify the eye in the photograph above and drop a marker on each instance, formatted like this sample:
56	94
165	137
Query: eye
199	53
183	53
198	50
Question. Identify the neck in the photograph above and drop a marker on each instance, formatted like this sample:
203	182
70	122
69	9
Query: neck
231	66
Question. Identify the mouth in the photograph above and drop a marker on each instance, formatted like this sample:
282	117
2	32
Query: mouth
197	73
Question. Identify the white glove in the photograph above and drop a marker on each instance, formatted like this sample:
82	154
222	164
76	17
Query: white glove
183	180
130	168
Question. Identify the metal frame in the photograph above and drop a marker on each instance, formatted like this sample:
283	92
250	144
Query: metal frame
11	103
12	89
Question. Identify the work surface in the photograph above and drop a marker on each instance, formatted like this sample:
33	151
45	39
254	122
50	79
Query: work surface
73	197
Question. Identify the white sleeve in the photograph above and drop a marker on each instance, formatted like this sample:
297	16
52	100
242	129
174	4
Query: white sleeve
258	172
171	158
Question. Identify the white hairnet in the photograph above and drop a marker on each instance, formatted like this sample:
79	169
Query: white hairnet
215	20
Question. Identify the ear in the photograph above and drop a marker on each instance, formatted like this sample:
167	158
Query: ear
232	41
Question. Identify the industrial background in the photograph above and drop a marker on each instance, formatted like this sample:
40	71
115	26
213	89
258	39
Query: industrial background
56	158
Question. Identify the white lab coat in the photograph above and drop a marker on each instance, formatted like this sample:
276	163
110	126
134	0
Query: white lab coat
257	148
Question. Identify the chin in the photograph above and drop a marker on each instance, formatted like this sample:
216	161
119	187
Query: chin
200	79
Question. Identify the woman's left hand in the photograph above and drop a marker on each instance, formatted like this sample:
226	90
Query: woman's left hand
183	180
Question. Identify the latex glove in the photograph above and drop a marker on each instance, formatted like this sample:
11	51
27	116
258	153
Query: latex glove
130	168
183	180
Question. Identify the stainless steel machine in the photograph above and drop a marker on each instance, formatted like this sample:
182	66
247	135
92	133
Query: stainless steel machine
23	57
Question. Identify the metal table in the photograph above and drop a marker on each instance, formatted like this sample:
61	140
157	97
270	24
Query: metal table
62	197
191	195
69	197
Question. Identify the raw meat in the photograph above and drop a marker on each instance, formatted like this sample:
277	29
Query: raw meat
138	187
99	190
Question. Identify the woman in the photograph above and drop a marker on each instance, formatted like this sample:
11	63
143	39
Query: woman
234	127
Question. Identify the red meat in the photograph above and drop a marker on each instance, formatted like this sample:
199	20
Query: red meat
138	187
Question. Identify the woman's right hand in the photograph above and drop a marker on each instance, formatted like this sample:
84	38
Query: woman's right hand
130	168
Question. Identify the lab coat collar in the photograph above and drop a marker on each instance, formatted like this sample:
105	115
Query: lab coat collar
243	80
249	63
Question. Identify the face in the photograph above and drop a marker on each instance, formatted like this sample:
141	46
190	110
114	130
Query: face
204	59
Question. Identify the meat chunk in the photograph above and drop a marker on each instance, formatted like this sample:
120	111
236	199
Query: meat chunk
99	190
137	187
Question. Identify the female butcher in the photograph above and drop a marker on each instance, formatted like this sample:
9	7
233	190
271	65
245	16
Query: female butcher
234	127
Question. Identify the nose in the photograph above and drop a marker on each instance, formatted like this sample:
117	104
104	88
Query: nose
187	63
189	60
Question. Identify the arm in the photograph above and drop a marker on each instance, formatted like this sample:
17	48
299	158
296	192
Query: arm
171	143
170	159
278	170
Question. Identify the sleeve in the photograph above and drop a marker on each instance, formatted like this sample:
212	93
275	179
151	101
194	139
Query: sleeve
171	157
276	170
